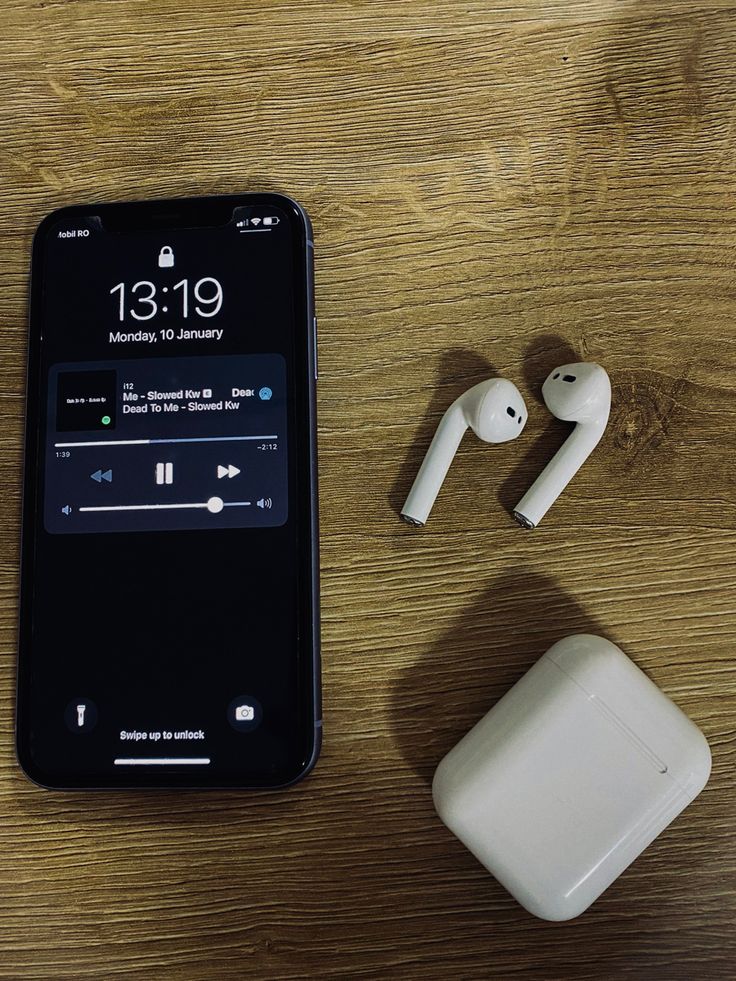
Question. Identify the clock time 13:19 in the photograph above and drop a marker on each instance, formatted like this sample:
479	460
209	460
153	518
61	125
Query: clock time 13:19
140	301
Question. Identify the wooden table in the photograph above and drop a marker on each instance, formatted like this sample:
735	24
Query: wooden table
495	188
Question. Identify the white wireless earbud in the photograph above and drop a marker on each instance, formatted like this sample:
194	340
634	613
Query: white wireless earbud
496	413
578	393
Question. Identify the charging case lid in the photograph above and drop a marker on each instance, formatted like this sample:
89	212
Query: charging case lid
570	776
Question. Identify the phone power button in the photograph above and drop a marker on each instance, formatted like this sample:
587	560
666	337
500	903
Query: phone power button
314	346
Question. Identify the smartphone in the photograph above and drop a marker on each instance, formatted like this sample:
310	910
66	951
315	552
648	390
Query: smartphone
169	610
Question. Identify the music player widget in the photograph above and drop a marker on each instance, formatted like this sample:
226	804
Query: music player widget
167	443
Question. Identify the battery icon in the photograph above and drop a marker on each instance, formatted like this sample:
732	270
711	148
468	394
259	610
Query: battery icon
271	221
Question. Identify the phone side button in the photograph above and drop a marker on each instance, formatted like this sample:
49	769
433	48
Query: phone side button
314	347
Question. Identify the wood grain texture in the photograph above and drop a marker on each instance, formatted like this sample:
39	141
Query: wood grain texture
494	186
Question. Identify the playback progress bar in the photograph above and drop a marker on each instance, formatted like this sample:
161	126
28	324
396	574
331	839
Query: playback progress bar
150	442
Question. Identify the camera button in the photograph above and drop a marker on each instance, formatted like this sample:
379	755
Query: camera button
244	713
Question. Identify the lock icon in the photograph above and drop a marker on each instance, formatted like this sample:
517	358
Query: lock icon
166	257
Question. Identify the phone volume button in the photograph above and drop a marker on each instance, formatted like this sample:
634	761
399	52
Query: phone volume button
314	347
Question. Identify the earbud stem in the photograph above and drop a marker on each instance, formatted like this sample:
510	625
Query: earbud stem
434	467
558	473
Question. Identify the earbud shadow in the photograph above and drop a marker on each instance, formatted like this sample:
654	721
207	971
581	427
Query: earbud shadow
488	648
542	355
458	370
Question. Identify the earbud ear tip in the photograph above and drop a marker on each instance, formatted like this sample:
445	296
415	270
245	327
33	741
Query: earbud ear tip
501	414
574	392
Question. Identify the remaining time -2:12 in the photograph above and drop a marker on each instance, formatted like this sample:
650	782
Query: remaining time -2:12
142	305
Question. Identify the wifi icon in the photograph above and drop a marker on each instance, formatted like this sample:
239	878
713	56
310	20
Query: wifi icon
255	221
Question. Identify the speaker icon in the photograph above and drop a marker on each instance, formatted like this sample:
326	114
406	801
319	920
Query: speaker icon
265	502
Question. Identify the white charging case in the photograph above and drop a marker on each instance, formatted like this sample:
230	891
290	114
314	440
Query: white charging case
570	776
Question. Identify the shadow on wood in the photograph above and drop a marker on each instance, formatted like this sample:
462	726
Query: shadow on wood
475	662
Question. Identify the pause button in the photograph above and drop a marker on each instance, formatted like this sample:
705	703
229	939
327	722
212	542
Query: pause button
164	473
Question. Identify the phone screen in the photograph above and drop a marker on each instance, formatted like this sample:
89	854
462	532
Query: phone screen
168	609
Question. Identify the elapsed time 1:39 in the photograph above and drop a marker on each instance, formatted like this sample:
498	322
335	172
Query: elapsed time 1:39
207	294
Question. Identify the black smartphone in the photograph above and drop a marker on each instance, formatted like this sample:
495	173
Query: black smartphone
169	616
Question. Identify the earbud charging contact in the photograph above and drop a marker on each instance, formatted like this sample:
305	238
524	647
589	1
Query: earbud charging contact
524	522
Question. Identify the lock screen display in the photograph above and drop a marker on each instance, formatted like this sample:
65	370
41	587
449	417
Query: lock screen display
168	608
